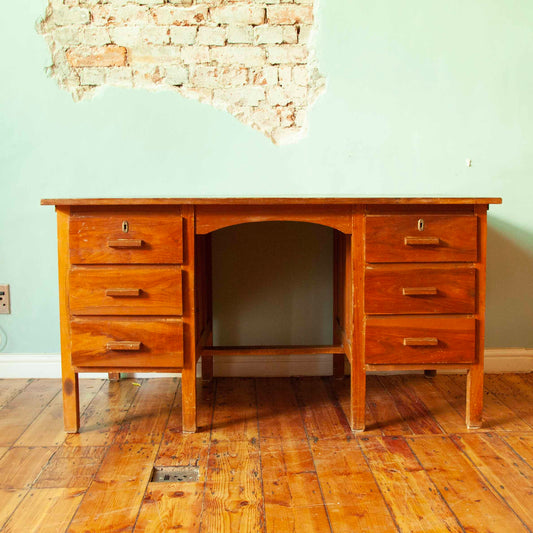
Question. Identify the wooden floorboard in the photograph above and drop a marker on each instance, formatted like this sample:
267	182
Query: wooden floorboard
292	493
25	407
9	388
272	455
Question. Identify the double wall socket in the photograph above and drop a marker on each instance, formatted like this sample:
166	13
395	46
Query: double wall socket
5	307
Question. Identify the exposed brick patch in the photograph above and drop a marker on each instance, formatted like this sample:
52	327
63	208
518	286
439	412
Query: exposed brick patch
93	56
249	57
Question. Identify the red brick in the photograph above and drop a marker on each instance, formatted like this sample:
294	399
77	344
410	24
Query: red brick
97	56
290	14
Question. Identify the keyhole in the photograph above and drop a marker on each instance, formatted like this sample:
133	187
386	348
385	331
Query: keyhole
125	226
420	224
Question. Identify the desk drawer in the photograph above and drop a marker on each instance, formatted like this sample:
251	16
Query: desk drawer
133	235
127	343
420	238
396	290
417	340
125	290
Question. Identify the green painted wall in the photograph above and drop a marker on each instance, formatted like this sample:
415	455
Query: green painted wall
414	89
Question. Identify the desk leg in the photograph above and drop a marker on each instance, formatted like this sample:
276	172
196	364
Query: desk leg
71	400
188	399
71	395
190	286
474	384
474	397
357	280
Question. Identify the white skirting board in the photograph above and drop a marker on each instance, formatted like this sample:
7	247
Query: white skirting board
49	365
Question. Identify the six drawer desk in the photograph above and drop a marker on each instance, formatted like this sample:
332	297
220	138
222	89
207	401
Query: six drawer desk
135	287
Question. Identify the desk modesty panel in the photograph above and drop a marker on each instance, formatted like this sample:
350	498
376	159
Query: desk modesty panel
135	288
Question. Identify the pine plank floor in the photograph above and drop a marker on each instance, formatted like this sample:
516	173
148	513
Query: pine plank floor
273	455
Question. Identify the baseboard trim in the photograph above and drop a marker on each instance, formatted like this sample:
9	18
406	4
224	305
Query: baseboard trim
508	360
49	365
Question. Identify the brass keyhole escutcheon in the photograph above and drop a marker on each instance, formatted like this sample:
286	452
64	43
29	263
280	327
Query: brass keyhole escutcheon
125	226
420	224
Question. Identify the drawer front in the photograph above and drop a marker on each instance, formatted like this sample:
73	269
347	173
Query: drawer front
137	235
125	290
123	343
392	290
420	238
412	340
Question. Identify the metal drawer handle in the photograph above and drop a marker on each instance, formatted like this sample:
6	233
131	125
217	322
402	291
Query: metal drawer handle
420	341
125	243
123	292
421	241
124	346
419	291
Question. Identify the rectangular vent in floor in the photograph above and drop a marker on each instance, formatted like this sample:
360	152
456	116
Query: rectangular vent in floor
173	474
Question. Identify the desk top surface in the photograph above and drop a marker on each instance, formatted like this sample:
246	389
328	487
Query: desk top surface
296	200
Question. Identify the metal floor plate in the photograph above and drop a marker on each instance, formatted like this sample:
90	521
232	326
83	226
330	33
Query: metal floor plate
173	474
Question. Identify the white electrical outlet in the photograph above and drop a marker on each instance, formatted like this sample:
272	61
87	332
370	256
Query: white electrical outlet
5	307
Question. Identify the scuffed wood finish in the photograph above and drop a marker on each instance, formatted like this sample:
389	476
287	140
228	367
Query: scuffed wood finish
211	218
171	506
278	455
51	511
155	343
415	340
47	428
71	394
509	475
350	493
102	419
235	411
9	388
148	416
513	390
469	496
271	350
158	230
9	501
455	238
113	499
474	386
296	200
419	290
400	476
188	449
412	409
20	466
129	290
233	498
20	412
71	467
188	373
356	330
496	414
403	258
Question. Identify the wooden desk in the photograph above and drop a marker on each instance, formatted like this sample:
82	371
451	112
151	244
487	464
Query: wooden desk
135	287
